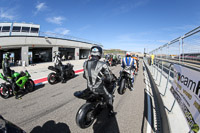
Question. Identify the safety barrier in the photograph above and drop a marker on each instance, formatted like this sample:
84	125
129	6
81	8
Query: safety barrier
178	58
162	72
185	48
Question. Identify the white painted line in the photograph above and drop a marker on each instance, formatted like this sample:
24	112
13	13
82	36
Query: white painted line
149	119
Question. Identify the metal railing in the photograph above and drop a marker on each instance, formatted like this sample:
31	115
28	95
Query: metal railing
63	36
183	49
162	71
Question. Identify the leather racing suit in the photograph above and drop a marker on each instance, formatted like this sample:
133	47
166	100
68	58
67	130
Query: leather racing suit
99	78
129	64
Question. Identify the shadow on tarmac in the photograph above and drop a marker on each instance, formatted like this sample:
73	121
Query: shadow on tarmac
51	127
39	86
105	124
22	93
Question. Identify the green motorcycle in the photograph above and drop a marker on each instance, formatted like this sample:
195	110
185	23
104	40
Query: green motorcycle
20	80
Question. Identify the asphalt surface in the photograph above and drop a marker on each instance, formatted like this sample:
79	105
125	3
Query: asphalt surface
53	108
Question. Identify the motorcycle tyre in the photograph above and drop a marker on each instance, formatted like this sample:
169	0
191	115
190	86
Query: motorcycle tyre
82	114
7	89
122	89
49	80
72	74
30	81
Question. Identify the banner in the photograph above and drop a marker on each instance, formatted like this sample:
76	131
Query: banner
186	90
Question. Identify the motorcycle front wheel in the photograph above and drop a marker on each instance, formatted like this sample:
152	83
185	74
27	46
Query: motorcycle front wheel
52	78
4	91
85	115
122	88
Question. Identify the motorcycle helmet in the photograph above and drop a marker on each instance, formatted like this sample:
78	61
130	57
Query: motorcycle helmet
96	51
128	54
7	55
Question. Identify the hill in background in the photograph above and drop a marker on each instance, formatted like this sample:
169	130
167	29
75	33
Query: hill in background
119	51
114	51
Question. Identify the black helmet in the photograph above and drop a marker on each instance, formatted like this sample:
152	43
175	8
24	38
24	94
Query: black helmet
96	51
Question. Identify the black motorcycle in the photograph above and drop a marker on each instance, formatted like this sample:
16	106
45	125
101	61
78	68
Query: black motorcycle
89	111
124	82
56	76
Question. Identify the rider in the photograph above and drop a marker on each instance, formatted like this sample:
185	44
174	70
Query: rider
8	73
58	64
137	61
129	64
6	66
99	78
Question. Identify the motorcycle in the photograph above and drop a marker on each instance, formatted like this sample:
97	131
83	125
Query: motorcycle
94	105
108	62
125	81
55	77
20	80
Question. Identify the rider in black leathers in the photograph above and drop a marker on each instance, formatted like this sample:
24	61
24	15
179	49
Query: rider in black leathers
99	78
59	65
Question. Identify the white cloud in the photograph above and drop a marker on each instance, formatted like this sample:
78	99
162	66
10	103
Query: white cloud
8	14
58	32
39	7
62	31
56	20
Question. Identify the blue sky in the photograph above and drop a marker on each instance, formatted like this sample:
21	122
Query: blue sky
122	24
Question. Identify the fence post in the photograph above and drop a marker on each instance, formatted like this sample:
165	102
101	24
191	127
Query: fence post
154	66
182	49
179	50
167	79
167	54
161	74
157	71
172	106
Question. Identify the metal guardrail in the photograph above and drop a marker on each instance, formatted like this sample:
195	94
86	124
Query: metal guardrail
164	123
63	36
166	70
186	47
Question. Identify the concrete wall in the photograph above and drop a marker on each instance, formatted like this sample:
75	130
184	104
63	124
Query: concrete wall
24	42
76	53
24	55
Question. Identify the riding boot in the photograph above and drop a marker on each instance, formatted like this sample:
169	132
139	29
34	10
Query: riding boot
17	96
111	111
63	81
63	78
110	106
131	84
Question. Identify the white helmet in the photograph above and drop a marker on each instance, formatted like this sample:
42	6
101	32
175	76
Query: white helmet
128	54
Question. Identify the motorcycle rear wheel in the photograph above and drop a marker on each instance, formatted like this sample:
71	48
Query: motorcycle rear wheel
85	116
30	85
72	74
122	89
